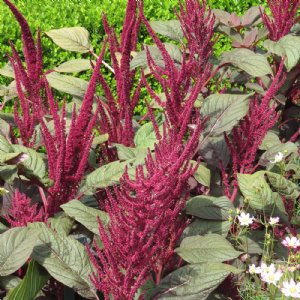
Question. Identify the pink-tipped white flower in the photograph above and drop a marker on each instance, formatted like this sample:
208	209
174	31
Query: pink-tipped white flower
254	270
292	242
291	289
245	219
274	221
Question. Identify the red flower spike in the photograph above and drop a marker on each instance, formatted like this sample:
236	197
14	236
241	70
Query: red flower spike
116	117
145	219
182	84
22	212
284	14
28	81
249	134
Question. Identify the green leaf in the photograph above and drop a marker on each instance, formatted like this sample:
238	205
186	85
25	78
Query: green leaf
252	63
4	157
213	149
211	208
255	189
209	248
252	242
68	84
31	284
202	174
5	146
104	176
3	227
61	223
259	195
33	162
140	60
125	153
283	186
85	215
16	246
224	111
285	148
170	29
202	227
194	281
145	136
74	65
8	173
270	140
9	282
66	260
288	46
72	39
100	139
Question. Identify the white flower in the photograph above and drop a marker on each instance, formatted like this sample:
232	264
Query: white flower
292	242
245	219
254	270
273	221
278	158
267	269
291	289
271	277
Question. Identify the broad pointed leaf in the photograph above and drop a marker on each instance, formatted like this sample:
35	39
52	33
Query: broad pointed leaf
66	260
170	29
288	46
32	161
68	84
72	39
16	246
224	111
211	208
253	63
85	215
208	248
74	65
194	281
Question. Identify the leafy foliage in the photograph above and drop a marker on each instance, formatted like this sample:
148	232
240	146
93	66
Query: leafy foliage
98	199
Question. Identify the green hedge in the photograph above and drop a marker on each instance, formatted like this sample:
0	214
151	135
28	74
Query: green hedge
50	14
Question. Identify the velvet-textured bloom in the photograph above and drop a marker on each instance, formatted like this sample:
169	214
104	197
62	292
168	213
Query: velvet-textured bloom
22	211
28	81
145	218
249	134
182	80
116	115
68	154
284	16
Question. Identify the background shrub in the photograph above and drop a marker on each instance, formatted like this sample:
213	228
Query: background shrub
52	14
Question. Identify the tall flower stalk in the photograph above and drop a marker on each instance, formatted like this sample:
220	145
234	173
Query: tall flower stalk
284	17
28	81
145	218
116	115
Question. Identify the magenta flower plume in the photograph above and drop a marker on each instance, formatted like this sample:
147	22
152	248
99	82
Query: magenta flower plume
145	218
22	212
182	81
68	155
249	134
28	80
116	115
284	14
